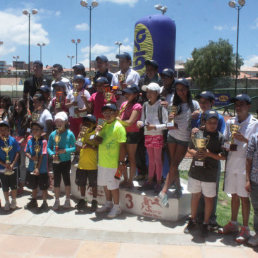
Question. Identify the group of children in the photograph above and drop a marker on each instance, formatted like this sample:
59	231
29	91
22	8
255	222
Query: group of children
107	143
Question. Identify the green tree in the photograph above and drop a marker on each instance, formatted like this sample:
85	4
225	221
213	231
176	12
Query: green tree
211	62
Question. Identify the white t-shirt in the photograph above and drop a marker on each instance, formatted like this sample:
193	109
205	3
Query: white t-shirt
183	121
64	80
44	116
236	160
80	102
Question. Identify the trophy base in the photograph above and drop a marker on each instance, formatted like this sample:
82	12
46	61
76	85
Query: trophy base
170	124
199	163
233	147
8	172
78	143
56	161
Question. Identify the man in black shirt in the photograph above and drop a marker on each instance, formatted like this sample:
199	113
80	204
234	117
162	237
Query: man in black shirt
31	85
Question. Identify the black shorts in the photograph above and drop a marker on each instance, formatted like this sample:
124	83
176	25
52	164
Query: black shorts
9	181
132	137
82	175
41	181
62	169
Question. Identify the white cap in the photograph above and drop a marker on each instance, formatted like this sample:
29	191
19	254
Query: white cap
62	116
152	86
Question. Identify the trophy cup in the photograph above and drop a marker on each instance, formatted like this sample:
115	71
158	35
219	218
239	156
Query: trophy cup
102	123
200	142
58	99
37	150
231	145
35	116
7	149
172	110
83	131
57	140
121	78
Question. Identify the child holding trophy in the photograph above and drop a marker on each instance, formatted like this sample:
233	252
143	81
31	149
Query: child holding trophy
239	129
9	154
206	148
60	146
37	174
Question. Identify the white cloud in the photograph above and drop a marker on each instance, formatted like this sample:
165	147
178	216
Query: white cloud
58	13
126	40
255	26
251	61
6	50
129	2
82	27
220	27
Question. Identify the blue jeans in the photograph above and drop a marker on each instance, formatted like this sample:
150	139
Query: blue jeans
254	200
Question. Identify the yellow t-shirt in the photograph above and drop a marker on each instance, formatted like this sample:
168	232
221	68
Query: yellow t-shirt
88	156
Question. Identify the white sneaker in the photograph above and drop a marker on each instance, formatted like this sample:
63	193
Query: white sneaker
7	206
56	205
13	204
253	241
67	204
116	210
104	208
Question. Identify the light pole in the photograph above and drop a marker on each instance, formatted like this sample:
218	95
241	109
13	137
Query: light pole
71	60
40	51
238	7
28	13
119	45
16	59
161	8
76	42
93	5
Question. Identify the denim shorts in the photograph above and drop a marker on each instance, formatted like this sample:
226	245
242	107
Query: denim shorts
171	139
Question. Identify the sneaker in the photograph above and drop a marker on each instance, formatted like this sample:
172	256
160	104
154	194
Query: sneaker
253	240
115	211
204	230
190	226
163	198
7	206
13	204
32	204
178	193
94	205
56	204
81	205
157	188
229	228
146	186
139	177
43	207
67	204
213	226
243	235
106	207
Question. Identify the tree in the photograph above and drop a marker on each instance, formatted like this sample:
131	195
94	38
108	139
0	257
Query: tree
213	61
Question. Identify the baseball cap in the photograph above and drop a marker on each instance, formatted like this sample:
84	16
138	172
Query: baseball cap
241	97
167	72
109	106
44	88
62	116
79	67
206	95
152	63
4	123
37	62
78	77
182	81
152	86
90	118
59	84
41	125
102	58
102	80
131	89
124	55
211	114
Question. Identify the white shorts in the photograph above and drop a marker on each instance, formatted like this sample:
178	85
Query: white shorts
106	177
208	189
235	184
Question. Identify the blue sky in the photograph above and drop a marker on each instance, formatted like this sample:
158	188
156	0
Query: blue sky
59	21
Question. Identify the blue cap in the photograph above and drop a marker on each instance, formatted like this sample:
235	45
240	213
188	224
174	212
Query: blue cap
109	106
131	89
152	63
241	97
168	72
4	123
59	84
79	67
211	114
102	79
37	62
124	55
206	95
79	77
182	81
41	125
102	58
90	118
44	88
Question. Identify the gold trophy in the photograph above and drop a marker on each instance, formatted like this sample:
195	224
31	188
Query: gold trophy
7	149
121	78
200	142
83	131
35	116
102	123
58	99
57	140
172	110
233	129
37	150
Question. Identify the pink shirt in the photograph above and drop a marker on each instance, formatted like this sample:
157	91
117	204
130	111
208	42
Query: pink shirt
125	115
98	101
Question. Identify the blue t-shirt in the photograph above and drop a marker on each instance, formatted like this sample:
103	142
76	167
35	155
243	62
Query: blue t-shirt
221	125
67	142
43	151
11	154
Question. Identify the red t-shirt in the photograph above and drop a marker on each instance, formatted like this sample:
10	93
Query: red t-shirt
127	113
98	101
